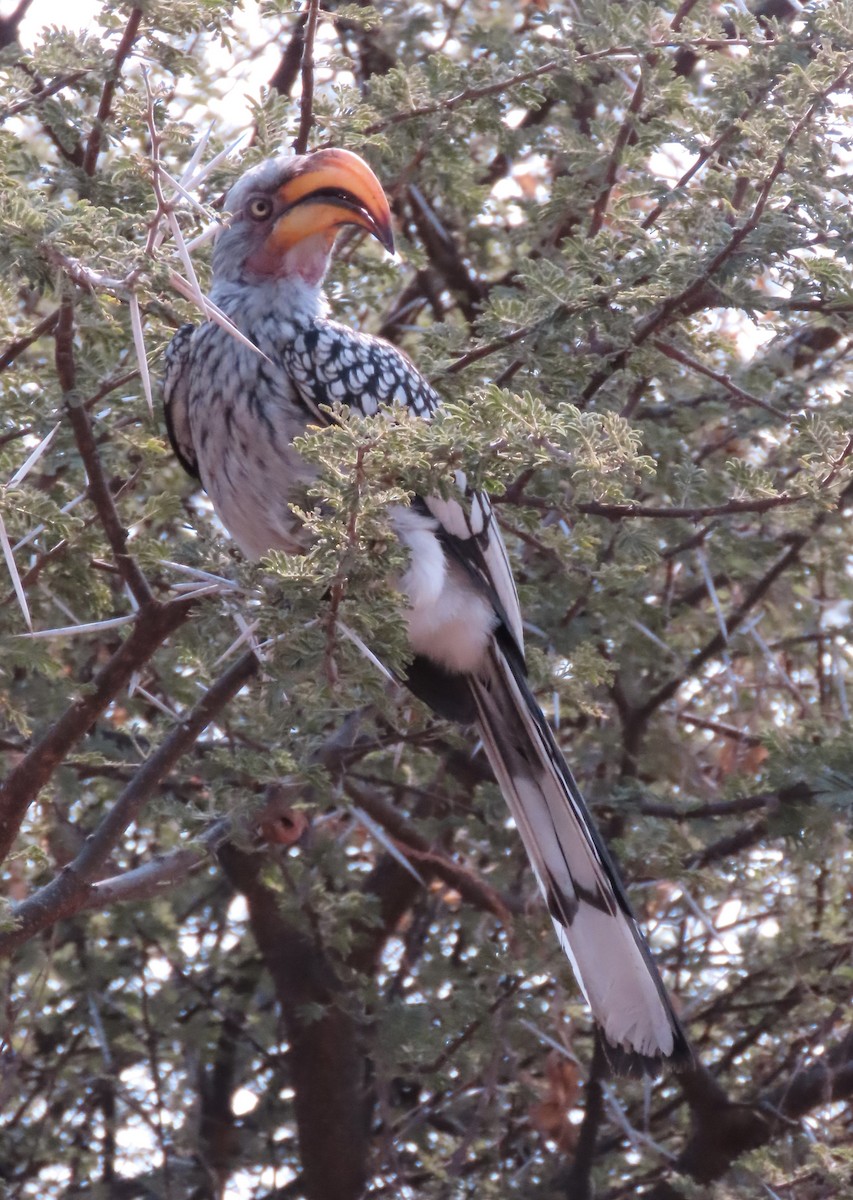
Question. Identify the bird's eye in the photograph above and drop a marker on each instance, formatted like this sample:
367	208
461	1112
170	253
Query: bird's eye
259	208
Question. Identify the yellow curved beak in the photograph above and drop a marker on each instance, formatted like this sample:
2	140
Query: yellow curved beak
334	188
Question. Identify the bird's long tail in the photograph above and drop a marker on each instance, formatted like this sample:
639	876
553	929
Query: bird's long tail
579	881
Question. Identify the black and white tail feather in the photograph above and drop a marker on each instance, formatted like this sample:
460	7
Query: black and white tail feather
582	889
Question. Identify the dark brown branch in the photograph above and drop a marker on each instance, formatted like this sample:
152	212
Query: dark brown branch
42	92
393	888
618	512
9	25
444	255
93	146
480	352
473	93
68	145
723	1130
99	491
327	1066
727	731
730	386
21	786
287	71
732	844
30	576
714	808
218	1122
684	10
547	68
306	102
625	133
578	1181
427	860
68	892
12	351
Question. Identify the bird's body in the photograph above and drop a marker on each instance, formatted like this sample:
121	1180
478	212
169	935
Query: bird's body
233	412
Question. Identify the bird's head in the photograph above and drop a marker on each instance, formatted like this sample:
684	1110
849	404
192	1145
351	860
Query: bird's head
287	211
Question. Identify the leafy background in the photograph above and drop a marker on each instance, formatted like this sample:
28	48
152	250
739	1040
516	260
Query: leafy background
268	931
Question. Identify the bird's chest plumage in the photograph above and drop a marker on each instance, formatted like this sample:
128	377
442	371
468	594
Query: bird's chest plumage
244	413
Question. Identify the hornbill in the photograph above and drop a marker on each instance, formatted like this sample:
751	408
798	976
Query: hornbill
233	412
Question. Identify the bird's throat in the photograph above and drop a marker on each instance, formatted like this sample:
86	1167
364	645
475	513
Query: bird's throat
307	260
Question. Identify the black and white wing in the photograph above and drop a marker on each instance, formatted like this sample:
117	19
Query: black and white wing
176	398
329	363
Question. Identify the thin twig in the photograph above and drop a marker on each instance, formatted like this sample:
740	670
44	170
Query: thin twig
26	779
431	861
622	139
480	352
724	381
99	490
46	90
664	512
306	102
93	146
548	68
838	464
46	325
472	93
69	891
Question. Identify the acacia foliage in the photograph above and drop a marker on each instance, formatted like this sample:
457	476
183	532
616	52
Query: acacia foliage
268	932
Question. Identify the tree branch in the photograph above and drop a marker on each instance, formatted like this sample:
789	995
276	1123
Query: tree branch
69	891
23	783
722	1130
99	491
730	386
325	1057
306	103
578	1179
622	138
425	857
93	146
733	622
285	74
9	25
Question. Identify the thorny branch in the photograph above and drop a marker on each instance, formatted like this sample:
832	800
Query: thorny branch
692	293
25	780
69	891
93	146
306	103
428	860
622	139
547	68
98	487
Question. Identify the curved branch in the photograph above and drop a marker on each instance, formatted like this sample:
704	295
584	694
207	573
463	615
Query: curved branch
70	890
26	779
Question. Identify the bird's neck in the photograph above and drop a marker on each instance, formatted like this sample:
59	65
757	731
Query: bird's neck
291	301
